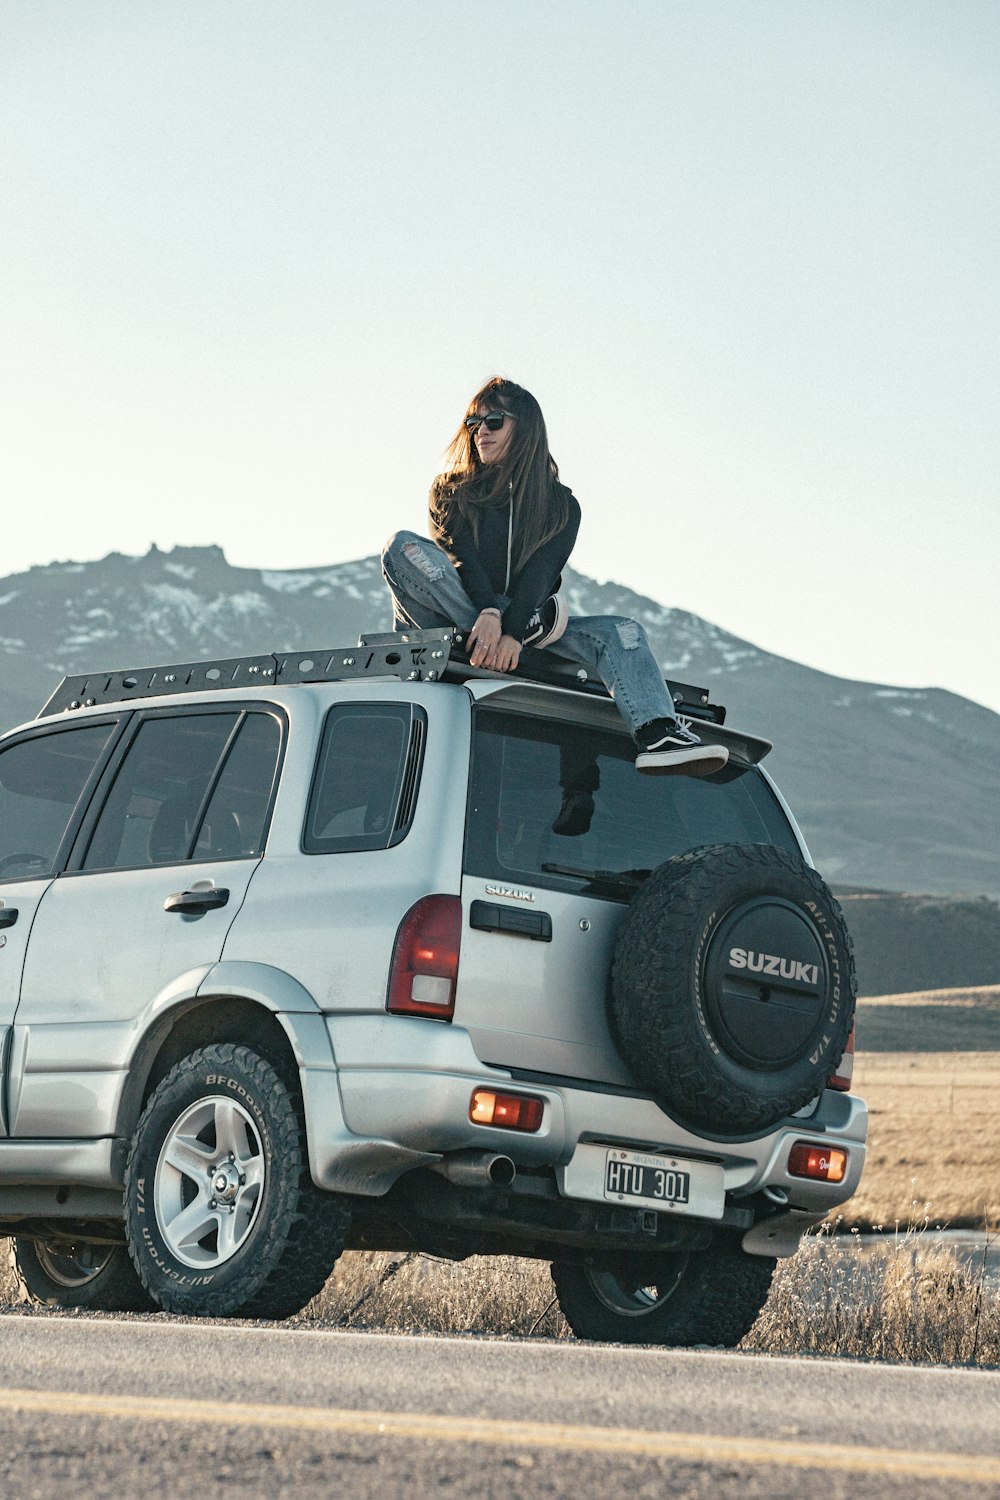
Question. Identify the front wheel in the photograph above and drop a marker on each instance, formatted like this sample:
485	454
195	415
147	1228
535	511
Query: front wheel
221	1214
77	1273
680	1298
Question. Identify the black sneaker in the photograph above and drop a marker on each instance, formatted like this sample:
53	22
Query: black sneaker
670	747
575	814
547	623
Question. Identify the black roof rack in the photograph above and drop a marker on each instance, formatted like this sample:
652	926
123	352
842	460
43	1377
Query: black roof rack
411	655
420	656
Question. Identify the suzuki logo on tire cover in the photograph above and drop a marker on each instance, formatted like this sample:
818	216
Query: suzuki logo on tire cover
772	963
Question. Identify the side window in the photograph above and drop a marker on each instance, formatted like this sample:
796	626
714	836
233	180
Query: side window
622	825
152	811
365	787
235	819
41	782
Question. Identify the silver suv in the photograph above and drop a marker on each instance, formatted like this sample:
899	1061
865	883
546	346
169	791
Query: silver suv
305	952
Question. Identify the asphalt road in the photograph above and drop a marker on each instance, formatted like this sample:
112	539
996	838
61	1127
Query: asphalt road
113	1407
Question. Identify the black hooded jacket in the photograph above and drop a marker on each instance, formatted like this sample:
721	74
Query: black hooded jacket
486	568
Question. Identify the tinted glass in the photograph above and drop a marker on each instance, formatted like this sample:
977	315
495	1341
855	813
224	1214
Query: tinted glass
522	769
41	782
365	778
234	823
152	810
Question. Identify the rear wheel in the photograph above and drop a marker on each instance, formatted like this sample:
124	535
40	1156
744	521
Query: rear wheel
77	1273
221	1213
701	1297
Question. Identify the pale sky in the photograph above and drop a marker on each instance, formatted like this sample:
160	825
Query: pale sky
255	258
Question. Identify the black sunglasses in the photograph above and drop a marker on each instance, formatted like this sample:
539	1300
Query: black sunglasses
493	421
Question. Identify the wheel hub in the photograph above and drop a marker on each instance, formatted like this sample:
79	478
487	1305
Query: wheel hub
226	1182
630	1294
72	1265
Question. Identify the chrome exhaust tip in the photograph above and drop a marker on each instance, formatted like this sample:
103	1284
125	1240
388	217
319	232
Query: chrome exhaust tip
477	1169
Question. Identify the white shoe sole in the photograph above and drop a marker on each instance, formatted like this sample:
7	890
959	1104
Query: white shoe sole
559	626
698	760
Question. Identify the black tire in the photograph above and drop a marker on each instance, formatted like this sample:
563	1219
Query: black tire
77	1273
221	1214
703	1297
733	986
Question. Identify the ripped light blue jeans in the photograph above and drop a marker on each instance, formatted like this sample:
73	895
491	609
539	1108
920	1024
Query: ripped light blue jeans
426	591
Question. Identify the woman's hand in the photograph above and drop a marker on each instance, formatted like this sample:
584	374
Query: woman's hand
483	639
489	647
507	654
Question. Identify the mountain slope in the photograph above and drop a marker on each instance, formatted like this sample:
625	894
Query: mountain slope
893	788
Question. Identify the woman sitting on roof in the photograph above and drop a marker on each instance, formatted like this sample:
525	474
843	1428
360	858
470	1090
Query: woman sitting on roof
503	527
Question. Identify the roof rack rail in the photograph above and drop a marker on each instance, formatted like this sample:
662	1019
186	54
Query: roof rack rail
556	671
411	655
416	656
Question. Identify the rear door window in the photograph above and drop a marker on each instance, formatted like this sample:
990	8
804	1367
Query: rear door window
42	780
235	820
191	786
523	769
365	788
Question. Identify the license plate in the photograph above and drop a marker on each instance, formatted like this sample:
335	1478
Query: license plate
646	1179
629	1175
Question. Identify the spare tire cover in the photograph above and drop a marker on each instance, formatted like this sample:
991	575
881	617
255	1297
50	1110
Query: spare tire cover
733	986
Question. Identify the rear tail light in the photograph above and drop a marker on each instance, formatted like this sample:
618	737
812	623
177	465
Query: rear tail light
425	959
508	1111
845	1068
823	1163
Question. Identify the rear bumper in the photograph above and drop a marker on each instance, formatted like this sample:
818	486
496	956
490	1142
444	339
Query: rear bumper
412	1109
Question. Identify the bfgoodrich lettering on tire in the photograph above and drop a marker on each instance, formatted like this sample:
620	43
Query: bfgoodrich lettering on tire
733	987
221	1213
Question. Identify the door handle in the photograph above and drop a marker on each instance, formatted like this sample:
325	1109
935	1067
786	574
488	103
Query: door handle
8	916
530	924
194	902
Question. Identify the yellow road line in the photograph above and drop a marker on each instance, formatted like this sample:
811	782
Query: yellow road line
623	1441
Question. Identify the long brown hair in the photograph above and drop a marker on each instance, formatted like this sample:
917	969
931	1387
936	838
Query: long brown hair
527	475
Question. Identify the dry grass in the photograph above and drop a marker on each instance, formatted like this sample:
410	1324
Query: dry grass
934	1138
6	1278
910	1299
928	1066
494	1295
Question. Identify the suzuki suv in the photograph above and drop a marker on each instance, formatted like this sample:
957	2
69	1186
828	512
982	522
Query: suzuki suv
366	948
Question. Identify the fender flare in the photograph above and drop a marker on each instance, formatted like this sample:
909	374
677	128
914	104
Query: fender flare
274	991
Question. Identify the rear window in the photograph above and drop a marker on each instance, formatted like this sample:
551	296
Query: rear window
365	788
523	769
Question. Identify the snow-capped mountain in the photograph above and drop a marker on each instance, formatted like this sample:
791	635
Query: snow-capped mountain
894	788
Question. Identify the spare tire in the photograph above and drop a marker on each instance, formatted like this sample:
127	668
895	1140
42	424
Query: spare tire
733	986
